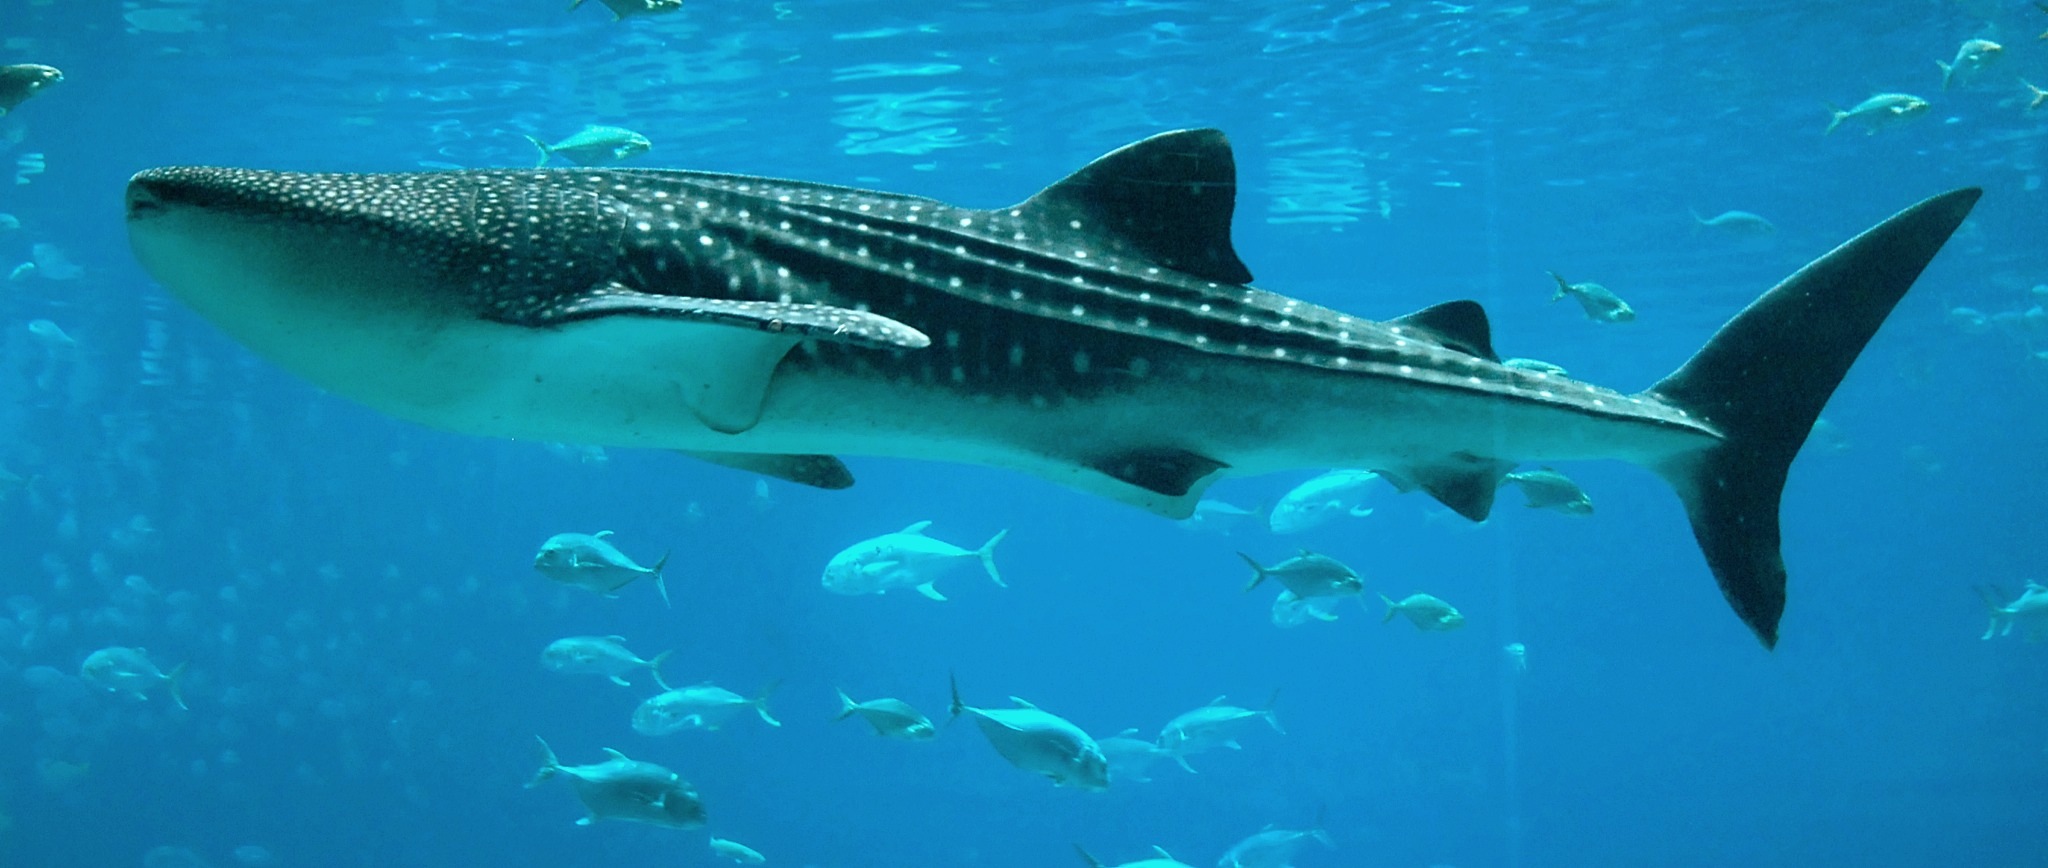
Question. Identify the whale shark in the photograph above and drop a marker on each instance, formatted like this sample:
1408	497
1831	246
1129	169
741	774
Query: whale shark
1102	334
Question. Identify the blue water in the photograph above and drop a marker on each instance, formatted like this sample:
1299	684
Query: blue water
355	596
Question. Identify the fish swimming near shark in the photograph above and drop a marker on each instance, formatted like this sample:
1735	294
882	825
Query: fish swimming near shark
1102	334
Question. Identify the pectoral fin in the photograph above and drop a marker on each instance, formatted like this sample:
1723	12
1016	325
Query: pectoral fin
817	471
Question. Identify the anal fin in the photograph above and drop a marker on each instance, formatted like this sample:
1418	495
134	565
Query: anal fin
1462	481
816	471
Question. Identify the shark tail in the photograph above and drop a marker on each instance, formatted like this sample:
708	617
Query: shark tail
1258	572
172	683
987	554
760	703
545	151
1762	381
549	765
654	666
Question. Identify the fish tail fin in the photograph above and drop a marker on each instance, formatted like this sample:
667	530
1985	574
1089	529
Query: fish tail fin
1319	831
1564	288
1272	717
1258	572
545	151
2040	94
1392	607
1762	380
173	681
1697	220
1835	117
760	703
955	707
987	554
1948	72
1085	857
549	765
847	706
654	666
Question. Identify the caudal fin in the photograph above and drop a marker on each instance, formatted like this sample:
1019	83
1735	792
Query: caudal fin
1762	380
548	764
545	151
173	681
847	707
661	579
1258	571
760	703
987	553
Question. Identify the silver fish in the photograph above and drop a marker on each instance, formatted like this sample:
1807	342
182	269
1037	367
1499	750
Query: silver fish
1039	741
130	672
588	561
598	655
623	788
890	717
1599	302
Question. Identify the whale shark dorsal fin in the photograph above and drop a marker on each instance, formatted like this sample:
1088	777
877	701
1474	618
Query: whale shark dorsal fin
816	471
917	528
1167	199
1457	325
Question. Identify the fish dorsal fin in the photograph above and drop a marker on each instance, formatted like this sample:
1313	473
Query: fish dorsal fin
1167	200
616	755
1022	703
917	528
617	638
1128	732
1458	325
601	534
1162	852
1219	699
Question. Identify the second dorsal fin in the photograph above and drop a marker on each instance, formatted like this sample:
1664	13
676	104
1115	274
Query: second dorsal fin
1167	199
1458	325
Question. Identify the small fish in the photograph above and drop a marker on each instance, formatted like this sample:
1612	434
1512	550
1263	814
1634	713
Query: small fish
1517	656
1160	859
587	561
2039	95
598	655
1548	489
1308	575
704	706
893	718
905	559
1735	223
1039	741
1332	495
1274	847
623	788
1971	58
1214	725
1426	612
1877	112
2030	610
1219	517
1537	365
624	9
737	852
52	335
594	146
1600	303
1131	758
20	81
129	671
1290	611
